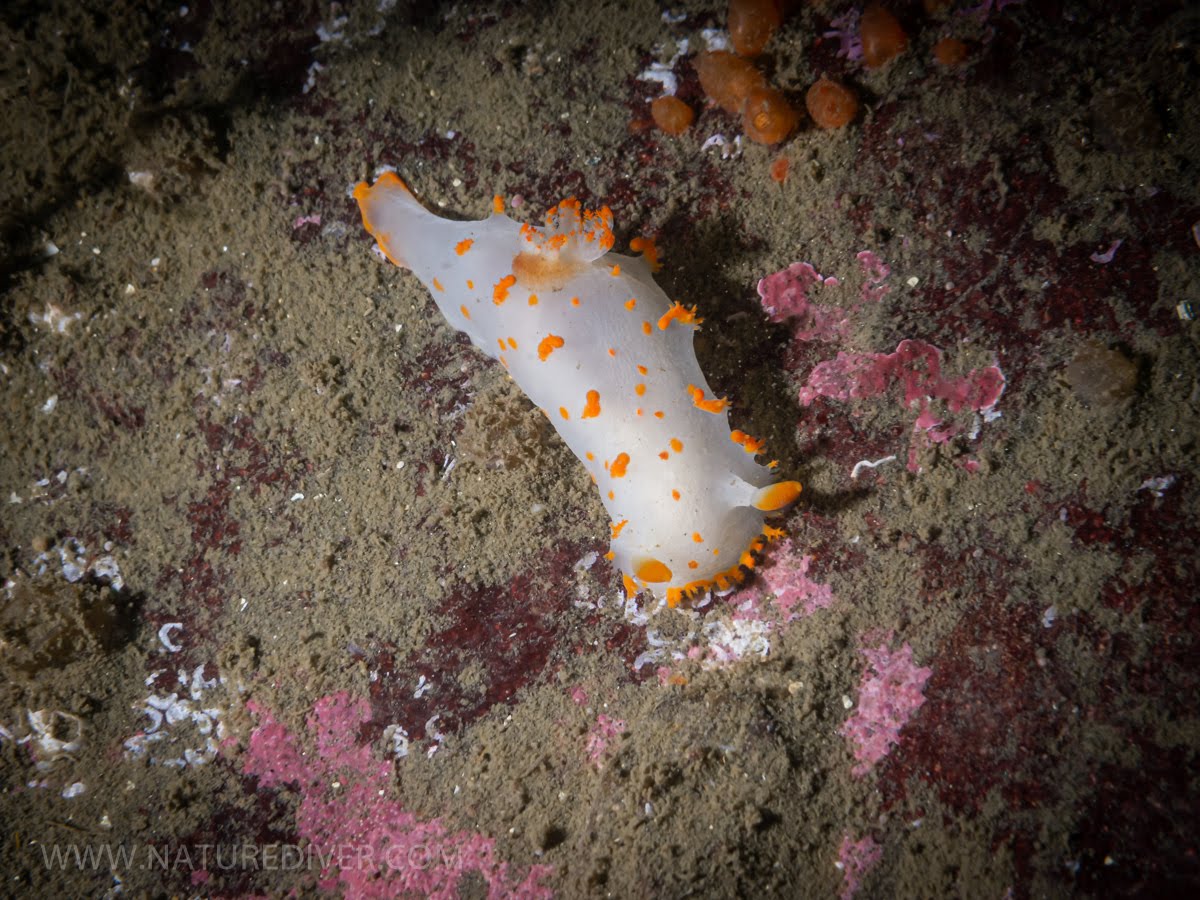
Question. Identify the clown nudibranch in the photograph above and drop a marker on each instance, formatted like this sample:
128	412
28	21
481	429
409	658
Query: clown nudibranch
594	342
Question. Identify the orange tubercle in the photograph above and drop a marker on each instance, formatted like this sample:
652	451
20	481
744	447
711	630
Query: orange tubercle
619	465
649	251
715	405
500	290
631	588
592	408
677	313
548	345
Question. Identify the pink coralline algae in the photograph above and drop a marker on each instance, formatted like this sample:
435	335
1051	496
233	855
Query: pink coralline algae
796	595
892	689
355	829
856	859
917	367
875	275
785	296
605	730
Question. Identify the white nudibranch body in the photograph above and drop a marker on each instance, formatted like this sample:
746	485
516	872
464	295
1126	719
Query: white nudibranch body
598	347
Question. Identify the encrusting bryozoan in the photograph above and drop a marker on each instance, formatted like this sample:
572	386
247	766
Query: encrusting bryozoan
597	346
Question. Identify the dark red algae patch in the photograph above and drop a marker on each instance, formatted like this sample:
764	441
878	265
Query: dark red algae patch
508	634
1004	698
986	711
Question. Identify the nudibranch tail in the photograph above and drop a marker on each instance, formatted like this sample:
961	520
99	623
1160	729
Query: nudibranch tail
597	346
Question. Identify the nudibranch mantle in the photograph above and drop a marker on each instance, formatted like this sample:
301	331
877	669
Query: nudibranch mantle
594	342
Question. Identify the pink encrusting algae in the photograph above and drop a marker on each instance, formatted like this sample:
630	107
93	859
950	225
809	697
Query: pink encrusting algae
917	367
891	690
856	859
361	836
796	595
604	731
785	298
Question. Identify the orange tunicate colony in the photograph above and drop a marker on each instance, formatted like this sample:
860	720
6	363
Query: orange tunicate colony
768	117
949	51
831	105
727	79
736	86
751	24
671	115
883	38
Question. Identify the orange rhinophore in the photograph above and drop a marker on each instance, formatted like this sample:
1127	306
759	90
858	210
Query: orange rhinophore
831	104
883	37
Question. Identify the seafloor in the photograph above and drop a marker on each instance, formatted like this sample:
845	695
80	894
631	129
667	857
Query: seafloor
302	595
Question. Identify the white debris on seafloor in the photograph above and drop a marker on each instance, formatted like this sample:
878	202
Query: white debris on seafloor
1157	485
54	318
75	562
166	711
164	636
734	640
44	726
870	464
